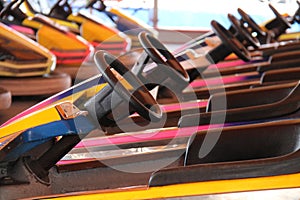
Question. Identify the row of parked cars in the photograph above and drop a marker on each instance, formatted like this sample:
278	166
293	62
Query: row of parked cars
224	116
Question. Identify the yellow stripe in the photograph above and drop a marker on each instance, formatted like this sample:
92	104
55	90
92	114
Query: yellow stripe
76	18
88	93
192	189
35	119
94	90
54	39
232	56
31	23
68	24
16	65
22	74
136	21
46	115
290	36
89	28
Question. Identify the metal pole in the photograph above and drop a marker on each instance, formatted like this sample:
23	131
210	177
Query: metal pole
155	14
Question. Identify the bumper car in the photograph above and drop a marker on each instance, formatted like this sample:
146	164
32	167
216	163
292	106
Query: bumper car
267	35
181	93
125	23
125	166
278	27
271	55
99	35
272	32
60	111
27	67
266	41
211	44
70	50
228	44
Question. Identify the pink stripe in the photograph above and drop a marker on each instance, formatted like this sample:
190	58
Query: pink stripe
183	105
139	137
22	29
144	136
217	81
228	64
69	162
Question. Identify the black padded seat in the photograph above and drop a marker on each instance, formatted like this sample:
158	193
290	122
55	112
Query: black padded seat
253	97
279	109
250	151
245	144
288	74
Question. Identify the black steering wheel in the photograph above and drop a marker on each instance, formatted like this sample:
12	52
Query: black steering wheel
251	23
280	17
61	9
169	72
284	24
138	95
8	10
230	41
159	53
91	4
243	32
296	17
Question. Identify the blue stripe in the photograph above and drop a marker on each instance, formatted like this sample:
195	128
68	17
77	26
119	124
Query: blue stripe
36	136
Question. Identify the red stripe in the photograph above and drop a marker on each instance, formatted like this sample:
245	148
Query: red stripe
70	61
68	57
82	53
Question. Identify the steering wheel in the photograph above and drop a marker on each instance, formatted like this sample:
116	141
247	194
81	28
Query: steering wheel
91	3
243	31
160	54
169	72
251	23
280	17
139	98
230	41
63	10
296	17
7	10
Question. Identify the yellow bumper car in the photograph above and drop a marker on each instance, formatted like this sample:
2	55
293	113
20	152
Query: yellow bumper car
27	67
70	50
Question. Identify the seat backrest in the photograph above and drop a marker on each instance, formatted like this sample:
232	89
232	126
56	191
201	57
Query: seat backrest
252	97
288	74
246	143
